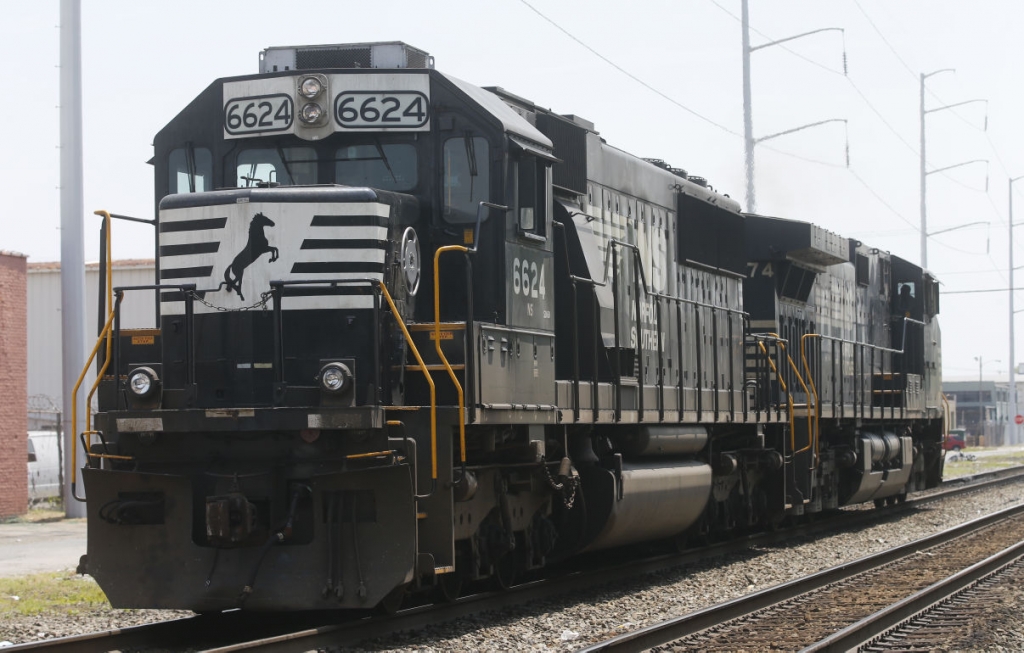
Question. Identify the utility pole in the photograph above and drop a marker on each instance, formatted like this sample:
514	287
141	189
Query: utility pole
1012	423
924	172
924	180
72	249
748	122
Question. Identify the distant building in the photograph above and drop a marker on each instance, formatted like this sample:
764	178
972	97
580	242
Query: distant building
45	382
981	408
13	370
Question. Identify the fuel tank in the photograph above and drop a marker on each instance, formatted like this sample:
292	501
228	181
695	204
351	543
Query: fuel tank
650	441
644	501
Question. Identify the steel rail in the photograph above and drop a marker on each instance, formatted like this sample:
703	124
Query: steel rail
879	623
303	631
672	629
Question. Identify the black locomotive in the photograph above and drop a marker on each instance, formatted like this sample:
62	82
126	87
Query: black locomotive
415	333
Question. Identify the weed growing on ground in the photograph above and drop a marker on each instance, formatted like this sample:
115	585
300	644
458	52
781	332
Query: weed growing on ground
62	591
970	462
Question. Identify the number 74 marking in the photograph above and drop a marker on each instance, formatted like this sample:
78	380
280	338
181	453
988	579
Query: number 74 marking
766	270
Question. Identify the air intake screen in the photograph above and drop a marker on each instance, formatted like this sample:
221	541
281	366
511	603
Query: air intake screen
711	235
334	58
416	58
570	145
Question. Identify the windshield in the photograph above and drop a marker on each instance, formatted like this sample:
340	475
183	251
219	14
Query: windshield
287	166
387	166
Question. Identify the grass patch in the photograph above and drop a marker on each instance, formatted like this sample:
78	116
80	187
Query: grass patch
50	592
973	463
47	510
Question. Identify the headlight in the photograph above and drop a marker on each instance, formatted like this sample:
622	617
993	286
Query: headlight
311	113
143	381
311	87
335	377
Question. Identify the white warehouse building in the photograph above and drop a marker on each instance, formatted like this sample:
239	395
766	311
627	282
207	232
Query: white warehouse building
45	385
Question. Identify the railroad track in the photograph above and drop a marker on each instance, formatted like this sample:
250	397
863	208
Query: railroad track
237	631
952	621
846	606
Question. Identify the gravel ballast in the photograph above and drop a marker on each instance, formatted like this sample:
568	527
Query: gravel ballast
571	622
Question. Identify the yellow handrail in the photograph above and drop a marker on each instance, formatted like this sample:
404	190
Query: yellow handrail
426	375
104	334
437	341
789	397
108	456
107	333
796	372
103	370
946	417
817	404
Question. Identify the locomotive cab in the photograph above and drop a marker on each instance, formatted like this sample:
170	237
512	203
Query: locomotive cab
295	279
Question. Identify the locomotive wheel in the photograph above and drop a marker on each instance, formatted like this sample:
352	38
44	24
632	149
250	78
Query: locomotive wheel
506	570
451	584
680	543
879	503
392	603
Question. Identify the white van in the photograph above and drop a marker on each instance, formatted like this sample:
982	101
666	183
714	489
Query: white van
43	465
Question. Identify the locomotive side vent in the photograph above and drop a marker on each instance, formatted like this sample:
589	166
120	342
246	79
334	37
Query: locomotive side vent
394	54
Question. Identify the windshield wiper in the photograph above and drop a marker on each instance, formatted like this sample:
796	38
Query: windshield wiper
384	158
287	168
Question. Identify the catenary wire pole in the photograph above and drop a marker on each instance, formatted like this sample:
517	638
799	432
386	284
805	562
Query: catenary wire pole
925	235
923	165
1012	423
748	122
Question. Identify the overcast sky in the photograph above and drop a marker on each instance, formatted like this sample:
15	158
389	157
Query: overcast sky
631	68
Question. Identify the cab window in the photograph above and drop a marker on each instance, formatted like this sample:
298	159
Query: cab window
906	296
191	170
287	166
387	166
531	194
466	178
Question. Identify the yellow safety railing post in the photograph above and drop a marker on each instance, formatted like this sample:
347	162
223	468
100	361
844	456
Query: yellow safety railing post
796	373
107	333
946	417
437	342
789	396
817	404
426	375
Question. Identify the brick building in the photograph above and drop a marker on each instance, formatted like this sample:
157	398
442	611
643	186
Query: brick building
13	379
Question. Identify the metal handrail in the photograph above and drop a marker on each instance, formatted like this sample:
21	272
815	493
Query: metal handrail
430	383
782	383
873	348
815	409
641	284
437	343
796	372
469	318
105	332
946	416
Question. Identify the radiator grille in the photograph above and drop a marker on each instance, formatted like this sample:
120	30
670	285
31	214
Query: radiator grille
333	58
570	145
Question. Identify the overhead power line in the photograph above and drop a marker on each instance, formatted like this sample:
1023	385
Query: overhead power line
629	74
881	200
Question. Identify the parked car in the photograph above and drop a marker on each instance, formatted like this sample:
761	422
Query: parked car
955	440
43	465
